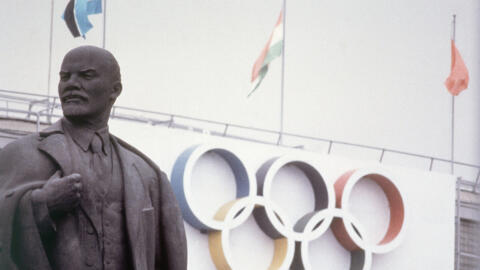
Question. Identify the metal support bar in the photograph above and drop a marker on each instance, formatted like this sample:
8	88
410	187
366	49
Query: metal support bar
34	102
50	111
381	155
476	181
52	107
38	121
457	225
39	114
330	147
431	164
225	130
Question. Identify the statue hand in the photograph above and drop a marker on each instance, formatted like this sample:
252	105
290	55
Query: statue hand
62	194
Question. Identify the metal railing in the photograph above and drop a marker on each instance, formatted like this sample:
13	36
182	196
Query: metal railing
466	254
43	109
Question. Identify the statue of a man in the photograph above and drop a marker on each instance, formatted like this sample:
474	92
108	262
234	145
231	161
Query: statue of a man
75	197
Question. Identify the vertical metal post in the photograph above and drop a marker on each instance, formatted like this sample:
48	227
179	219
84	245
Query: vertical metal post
104	21
453	136
476	182
49	110
37	114
457	225
50	48
225	130
381	155
284	16
452	152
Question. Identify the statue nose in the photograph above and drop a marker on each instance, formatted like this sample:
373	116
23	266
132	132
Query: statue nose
72	83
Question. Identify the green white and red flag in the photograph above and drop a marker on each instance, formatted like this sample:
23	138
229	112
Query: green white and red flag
272	50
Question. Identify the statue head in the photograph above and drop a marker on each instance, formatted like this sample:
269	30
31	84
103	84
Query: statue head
89	84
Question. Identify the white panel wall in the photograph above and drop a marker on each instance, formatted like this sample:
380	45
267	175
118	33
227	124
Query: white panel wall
368	72
429	200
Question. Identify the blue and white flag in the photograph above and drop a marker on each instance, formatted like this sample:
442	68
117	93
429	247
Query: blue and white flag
76	15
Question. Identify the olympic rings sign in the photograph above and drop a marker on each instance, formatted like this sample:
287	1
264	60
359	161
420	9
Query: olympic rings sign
291	241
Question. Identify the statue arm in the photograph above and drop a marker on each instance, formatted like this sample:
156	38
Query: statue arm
21	165
173	246
18	231
16	173
45	223
58	196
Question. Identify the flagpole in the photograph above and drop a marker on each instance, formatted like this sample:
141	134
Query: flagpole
50	48
284	11
104	21
453	107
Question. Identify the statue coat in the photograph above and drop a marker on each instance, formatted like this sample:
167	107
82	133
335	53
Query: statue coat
153	219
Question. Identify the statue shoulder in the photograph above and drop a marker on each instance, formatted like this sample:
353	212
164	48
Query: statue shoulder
27	146
22	162
21	148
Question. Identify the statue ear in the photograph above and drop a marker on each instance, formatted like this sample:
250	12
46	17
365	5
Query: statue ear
117	89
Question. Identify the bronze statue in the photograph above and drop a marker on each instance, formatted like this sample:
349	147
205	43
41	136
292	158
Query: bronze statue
76	197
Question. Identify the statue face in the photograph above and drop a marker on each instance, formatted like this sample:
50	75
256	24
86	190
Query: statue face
86	86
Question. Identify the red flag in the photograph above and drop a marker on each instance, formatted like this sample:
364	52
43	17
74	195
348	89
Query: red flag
458	79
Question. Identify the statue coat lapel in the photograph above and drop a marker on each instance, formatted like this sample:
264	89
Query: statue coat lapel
54	144
134	203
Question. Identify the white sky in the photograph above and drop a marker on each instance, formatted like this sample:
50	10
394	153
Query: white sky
368	72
